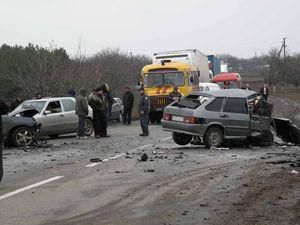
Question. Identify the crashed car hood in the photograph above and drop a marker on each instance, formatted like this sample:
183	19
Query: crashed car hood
25	113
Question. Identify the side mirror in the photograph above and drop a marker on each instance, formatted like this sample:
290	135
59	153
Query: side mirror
47	112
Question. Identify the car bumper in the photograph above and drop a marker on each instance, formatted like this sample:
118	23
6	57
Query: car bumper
191	129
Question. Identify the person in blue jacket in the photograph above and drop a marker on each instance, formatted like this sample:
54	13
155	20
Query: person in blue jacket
143	108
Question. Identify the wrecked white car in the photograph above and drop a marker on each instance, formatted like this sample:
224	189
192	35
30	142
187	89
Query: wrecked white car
215	116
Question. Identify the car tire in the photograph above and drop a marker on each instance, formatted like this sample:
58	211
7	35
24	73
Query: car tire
181	139
22	136
151	119
213	137
89	127
158	120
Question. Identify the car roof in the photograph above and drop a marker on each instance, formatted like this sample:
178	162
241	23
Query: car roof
226	77
236	93
48	98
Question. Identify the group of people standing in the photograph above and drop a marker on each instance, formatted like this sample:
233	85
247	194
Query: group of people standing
101	102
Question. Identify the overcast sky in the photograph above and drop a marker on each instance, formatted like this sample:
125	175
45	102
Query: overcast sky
238	27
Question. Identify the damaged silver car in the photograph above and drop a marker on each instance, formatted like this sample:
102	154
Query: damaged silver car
217	116
20	129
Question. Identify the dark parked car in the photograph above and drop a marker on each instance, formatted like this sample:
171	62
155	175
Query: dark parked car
20	129
215	116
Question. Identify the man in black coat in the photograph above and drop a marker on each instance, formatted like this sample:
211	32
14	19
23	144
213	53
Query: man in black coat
264	92
3	110
128	100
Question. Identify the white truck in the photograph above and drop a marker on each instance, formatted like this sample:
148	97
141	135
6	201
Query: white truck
189	56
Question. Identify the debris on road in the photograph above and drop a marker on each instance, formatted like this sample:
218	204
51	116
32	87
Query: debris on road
155	152
144	157
149	170
287	131
95	160
295	163
215	148
293	172
204	204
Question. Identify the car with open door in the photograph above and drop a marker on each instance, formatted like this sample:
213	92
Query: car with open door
215	116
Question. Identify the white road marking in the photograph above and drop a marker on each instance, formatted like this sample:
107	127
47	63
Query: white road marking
93	164
165	139
29	187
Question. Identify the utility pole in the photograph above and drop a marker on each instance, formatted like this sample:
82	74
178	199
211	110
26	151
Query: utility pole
284	59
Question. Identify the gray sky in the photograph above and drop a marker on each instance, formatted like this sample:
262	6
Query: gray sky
238	27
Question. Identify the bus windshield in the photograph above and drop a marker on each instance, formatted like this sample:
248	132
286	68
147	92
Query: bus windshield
160	79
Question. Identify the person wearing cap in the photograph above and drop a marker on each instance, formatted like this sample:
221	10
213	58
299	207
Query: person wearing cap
143	108
174	95
98	103
128	100
81	110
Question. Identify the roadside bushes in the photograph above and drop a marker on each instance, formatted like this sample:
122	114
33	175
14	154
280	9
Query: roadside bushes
28	70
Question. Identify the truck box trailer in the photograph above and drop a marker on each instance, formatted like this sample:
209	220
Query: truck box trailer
189	56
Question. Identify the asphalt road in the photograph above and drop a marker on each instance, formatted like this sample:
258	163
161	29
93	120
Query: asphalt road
57	184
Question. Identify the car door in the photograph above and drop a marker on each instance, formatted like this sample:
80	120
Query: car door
235	117
71	119
115	109
52	118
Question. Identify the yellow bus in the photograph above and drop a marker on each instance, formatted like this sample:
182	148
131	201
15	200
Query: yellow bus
160	79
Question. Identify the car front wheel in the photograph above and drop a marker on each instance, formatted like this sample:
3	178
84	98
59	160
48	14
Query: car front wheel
213	137
89	127
22	136
181	139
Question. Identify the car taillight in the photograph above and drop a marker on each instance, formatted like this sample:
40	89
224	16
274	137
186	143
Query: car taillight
167	116
189	119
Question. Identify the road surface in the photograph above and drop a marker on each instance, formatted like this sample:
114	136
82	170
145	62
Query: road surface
58	184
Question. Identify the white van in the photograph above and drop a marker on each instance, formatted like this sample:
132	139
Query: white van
208	87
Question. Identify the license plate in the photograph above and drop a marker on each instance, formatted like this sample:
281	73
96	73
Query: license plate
177	118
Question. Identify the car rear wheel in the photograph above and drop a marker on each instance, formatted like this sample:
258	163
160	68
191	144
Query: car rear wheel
22	136
89	127
213	137
181	139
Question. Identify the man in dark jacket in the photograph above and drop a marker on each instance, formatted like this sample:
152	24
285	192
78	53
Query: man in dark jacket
3	110
174	95
128	100
98	103
143	108
109	102
82	110
264	92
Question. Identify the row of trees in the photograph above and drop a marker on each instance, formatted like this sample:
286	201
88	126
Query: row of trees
275	68
28	70
25	71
